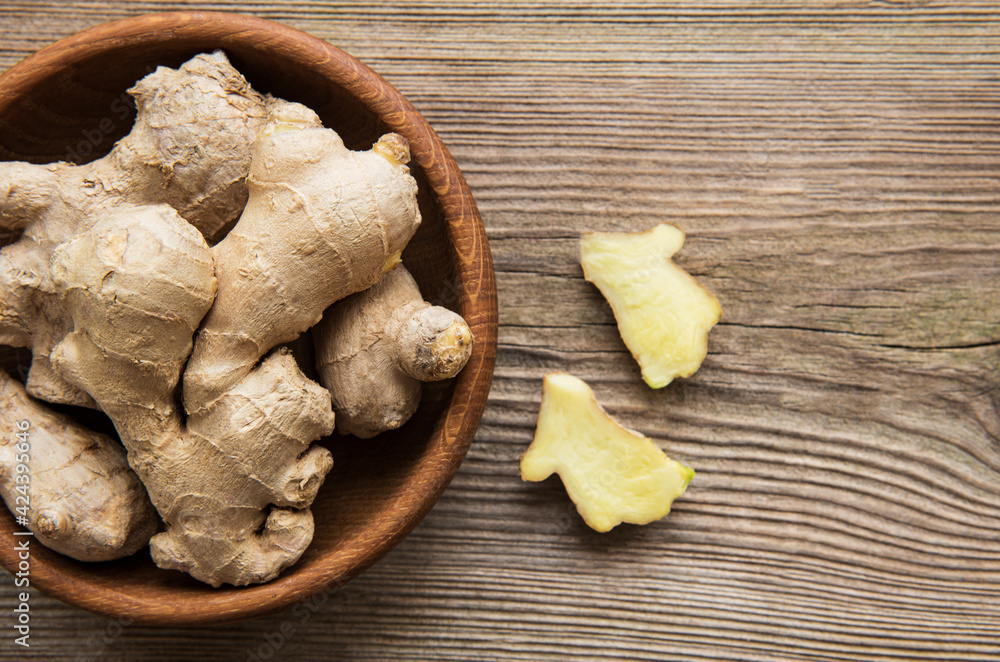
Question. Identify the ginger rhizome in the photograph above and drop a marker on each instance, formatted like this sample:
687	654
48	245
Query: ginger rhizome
78	494
128	307
663	314
612	474
375	349
233	482
189	149
322	222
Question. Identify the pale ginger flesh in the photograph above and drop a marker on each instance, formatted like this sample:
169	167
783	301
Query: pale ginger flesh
375	349
612	474
663	314
77	493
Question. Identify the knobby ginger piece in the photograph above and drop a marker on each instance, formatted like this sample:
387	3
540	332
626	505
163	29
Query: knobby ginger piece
375	349
232	482
189	149
322	222
612	474
663	314
78	496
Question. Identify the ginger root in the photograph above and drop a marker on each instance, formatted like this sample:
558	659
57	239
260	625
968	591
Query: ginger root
663	314
375	348
115	288
234	481
612	474
189	148
322	222
79	496
108	284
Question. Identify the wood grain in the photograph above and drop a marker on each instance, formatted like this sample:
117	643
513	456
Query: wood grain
835	167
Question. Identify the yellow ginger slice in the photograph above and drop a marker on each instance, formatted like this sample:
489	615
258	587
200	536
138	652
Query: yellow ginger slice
663	314
612	474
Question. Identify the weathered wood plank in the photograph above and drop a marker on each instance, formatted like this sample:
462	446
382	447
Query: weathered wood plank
835	166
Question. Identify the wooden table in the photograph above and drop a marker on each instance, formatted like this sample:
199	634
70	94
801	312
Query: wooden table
835	167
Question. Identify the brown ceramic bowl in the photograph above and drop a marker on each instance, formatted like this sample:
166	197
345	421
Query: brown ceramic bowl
64	102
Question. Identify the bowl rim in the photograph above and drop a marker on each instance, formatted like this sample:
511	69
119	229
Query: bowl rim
474	272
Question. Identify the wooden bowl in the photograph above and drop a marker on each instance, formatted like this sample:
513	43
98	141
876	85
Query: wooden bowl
65	103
